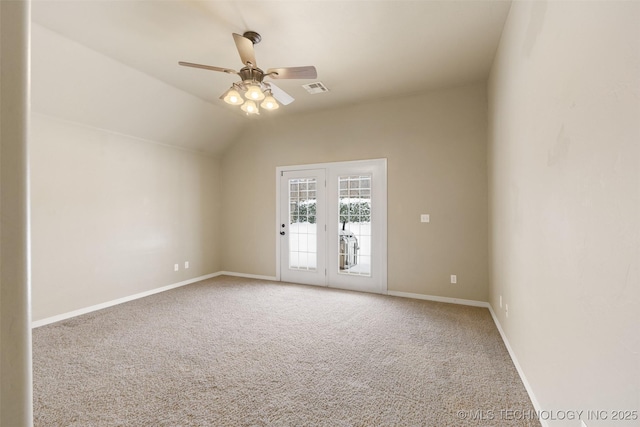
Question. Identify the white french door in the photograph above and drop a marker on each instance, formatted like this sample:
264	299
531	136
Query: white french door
302	226
332	227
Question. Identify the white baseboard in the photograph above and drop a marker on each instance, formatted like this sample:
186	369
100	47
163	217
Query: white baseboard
470	302
96	307
527	386
248	276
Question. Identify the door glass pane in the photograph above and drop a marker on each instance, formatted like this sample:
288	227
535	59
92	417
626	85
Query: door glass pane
354	225
302	224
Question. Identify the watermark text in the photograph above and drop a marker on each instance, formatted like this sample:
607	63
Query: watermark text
551	415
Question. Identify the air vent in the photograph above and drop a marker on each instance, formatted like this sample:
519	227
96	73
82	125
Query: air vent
317	87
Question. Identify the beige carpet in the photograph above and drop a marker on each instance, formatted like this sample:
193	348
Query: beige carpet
240	352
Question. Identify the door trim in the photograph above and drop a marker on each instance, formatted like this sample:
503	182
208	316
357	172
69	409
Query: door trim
328	165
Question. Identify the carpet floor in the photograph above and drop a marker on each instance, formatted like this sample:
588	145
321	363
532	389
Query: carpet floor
241	352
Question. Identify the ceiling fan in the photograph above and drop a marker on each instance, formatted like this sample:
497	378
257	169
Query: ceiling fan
252	84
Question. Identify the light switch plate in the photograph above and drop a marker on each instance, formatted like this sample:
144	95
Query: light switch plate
424	218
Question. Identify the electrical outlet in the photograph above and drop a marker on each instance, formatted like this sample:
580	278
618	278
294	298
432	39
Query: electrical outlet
454	278
424	218
506	310
500	301
176	267
186	265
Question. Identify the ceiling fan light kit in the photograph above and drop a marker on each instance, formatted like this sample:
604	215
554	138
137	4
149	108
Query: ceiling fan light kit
270	103
254	92
233	97
250	107
251	85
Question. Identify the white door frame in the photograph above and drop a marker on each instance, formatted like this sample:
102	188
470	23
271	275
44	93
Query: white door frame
380	211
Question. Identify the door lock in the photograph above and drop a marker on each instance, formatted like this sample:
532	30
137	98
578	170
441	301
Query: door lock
282	233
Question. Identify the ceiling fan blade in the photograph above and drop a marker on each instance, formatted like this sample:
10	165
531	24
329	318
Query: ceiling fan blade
245	49
281	96
207	67
293	73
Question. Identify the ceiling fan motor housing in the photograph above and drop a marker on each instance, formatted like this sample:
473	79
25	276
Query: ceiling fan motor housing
251	75
253	36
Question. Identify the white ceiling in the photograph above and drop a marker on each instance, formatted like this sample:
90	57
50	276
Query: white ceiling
363	50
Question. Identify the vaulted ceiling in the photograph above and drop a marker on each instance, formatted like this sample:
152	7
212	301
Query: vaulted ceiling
363	50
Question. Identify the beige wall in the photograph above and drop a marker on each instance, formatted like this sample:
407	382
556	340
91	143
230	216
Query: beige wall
564	162
435	144
113	209
111	215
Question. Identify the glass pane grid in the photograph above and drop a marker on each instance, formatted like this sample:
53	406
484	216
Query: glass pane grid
302	224
354	251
